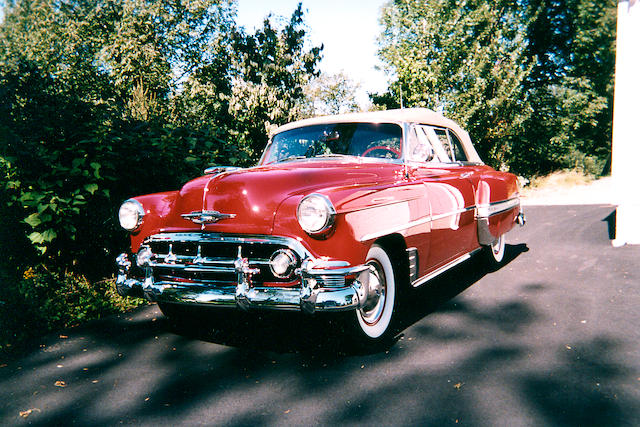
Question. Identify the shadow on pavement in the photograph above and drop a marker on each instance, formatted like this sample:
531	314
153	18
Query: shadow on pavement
293	332
494	358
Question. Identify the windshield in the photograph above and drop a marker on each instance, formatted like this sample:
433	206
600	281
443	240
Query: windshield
376	140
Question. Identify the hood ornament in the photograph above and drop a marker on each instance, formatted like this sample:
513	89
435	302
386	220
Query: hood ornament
206	217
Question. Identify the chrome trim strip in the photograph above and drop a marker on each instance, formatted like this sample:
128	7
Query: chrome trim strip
412	224
495	208
456	212
414	263
202	237
184	260
444	268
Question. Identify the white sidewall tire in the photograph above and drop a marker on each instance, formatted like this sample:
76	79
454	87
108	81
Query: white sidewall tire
380	327
497	249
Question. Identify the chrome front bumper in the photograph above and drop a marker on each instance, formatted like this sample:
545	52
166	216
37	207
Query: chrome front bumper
309	297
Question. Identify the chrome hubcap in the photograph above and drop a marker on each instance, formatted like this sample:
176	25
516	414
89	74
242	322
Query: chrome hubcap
496	246
374	306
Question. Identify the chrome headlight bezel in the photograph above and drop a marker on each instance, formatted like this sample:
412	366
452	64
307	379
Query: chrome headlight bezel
316	214
131	215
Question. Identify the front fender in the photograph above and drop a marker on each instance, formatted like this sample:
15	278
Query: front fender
158	207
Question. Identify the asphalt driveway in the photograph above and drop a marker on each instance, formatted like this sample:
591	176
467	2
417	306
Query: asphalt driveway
552	338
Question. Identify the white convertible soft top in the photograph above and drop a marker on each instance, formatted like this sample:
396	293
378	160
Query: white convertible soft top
422	116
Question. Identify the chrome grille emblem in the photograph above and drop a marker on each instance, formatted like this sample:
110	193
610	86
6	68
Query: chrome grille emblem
206	217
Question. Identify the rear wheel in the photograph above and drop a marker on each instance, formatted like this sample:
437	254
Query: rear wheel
494	252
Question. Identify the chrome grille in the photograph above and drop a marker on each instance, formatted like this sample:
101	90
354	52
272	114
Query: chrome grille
209	258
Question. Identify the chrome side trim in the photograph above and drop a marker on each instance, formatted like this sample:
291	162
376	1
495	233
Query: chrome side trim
452	213
415	223
412	256
494	208
484	212
444	268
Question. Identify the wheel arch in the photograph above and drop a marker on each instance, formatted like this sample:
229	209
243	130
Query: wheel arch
396	247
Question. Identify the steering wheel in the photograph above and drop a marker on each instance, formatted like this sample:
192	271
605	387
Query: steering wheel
382	148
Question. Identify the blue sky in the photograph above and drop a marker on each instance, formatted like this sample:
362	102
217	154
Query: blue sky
347	28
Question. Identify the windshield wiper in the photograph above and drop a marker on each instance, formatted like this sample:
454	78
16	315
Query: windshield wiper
286	159
333	155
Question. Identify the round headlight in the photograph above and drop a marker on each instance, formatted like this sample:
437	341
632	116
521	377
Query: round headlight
316	213
282	263
130	214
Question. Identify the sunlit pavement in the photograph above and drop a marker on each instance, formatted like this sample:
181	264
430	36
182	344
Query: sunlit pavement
549	339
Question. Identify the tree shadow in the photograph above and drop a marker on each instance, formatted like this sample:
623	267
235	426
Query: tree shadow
146	375
580	391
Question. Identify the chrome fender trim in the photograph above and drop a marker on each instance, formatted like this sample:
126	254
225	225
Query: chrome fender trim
484	212
440	270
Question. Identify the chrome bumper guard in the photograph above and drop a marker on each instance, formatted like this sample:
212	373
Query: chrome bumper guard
309	297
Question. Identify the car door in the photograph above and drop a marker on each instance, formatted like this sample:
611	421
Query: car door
450	191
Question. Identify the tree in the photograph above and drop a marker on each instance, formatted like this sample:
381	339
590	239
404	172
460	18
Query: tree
331	94
466	57
98	97
530	79
572	44
271	69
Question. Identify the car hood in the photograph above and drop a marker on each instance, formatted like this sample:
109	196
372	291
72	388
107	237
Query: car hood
251	197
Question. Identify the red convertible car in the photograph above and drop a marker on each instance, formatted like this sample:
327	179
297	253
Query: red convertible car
342	213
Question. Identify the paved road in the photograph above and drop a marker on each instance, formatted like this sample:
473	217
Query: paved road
549	339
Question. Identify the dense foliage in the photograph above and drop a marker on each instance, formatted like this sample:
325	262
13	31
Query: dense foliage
101	100
532	80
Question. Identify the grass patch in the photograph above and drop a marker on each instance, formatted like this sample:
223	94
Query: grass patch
560	179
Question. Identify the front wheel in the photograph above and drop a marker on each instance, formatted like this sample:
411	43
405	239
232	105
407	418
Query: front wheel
373	321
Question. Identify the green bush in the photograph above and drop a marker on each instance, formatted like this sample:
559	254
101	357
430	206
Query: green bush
42	301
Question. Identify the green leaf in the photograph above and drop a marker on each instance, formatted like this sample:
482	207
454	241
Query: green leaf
33	220
91	188
49	235
96	169
36	237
